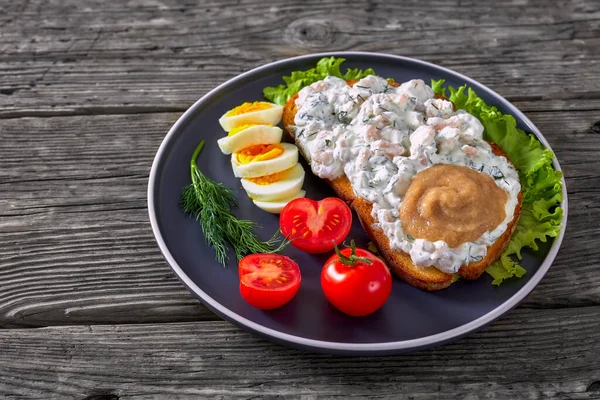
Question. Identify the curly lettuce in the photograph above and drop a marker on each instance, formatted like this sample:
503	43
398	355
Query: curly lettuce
327	66
541	183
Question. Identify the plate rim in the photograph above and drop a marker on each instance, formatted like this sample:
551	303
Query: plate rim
343	347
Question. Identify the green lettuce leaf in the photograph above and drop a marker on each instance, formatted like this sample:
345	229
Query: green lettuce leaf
541	183
327	66
438	87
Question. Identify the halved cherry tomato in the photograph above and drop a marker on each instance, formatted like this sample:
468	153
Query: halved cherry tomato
355	281
268	281
316	226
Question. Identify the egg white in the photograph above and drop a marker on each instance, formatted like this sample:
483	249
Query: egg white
253	169
285	188
275	207
268	116
257	134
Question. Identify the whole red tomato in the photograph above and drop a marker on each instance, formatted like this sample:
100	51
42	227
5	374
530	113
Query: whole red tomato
355	281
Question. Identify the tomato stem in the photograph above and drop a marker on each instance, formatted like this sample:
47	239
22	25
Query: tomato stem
354	258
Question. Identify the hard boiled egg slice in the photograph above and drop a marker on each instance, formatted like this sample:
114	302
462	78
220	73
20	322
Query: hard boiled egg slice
275	207
263	159
259	112
249	135
276	186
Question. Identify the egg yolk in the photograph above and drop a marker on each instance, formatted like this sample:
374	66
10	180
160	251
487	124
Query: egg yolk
268	179
239	129
242	128
249	107
259	152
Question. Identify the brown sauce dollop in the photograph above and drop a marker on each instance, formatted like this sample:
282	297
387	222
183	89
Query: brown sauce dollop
452	203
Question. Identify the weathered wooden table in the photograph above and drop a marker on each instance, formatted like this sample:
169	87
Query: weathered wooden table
88	89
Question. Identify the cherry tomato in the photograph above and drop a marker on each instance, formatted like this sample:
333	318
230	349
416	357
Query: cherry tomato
316	226
355	281
268	281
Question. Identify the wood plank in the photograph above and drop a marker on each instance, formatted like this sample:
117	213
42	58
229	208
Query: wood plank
74	223
90	189
70	57
528	354
77	250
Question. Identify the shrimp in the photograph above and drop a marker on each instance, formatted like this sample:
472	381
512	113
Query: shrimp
416	88
447	139
362	160
388	148
381	120
469	126
343	143
372	133
400	100
452	122
421	137
323	157
469	150
318	86
438	108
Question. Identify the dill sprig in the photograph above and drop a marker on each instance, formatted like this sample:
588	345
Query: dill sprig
211	202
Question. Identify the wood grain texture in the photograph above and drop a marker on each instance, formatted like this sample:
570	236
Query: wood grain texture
70	57
74	223
530	354
89	88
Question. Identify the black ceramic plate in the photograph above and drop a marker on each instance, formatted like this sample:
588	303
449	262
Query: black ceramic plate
411	319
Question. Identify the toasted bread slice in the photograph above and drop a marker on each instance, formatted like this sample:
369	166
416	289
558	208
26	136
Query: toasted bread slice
427	278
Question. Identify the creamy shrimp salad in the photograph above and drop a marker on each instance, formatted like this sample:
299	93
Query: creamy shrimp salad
380	137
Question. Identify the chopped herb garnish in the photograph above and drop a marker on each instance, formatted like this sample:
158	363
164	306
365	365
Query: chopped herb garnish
315	103
210	203
496	173
372	248
473	258
427	156
327	142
